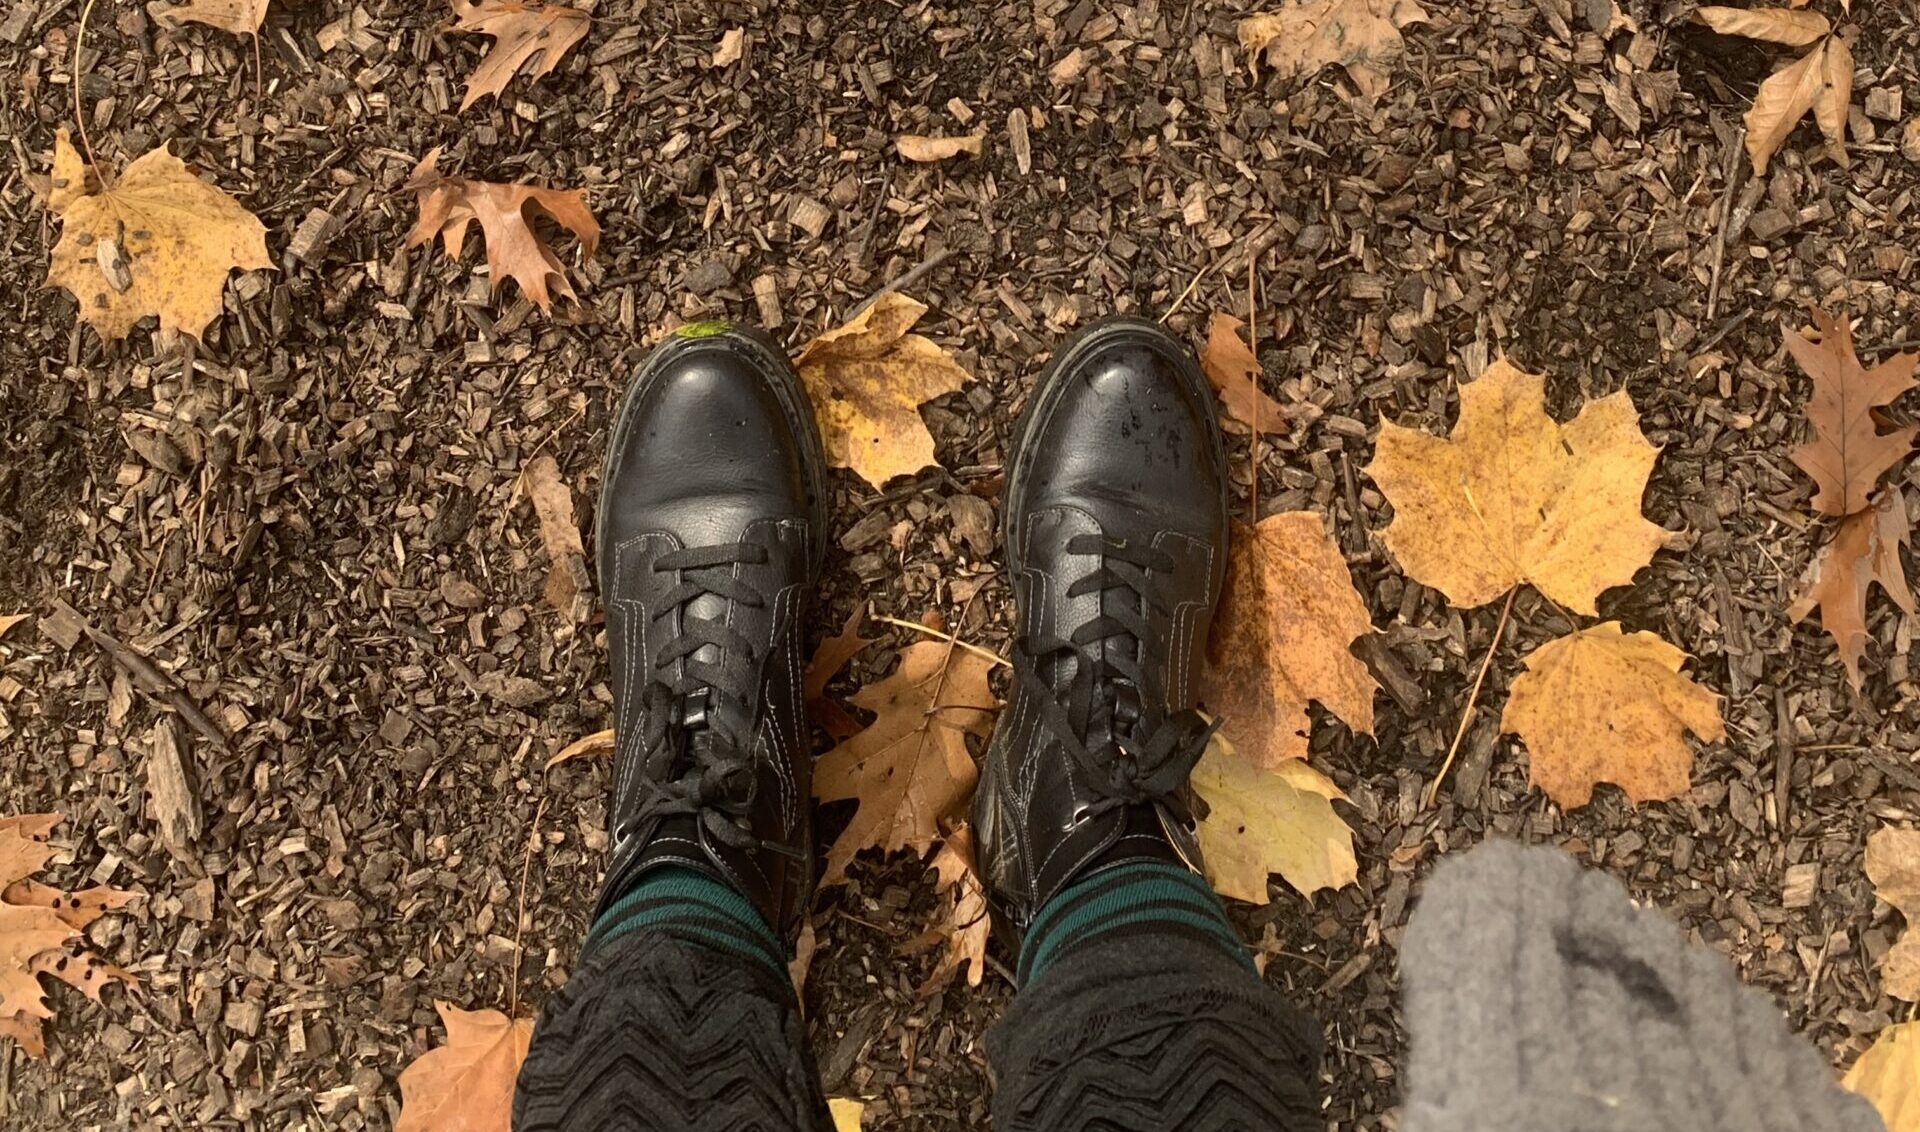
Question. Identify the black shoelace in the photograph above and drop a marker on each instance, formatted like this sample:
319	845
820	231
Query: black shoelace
1131	750
697	743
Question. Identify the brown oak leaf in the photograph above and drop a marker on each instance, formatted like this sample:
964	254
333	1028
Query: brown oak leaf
963	920
1234	372
827	661
1848	453
910	768
528	36
448	205
1865	550
38	927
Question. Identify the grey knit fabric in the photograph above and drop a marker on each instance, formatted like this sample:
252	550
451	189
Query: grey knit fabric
1539	997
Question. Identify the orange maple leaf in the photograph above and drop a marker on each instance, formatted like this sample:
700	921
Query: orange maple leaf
910	769
1865	550
505	213
526	35
1848	453
1287	616
467	1084
1598	705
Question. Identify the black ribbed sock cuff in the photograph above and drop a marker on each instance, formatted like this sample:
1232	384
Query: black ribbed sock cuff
1137	898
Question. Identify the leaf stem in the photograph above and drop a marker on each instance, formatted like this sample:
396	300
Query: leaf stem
80	119
1433	790
983	654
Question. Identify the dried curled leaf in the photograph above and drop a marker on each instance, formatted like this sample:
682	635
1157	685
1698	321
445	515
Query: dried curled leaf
1287	616
1361	35
1260	822
568	587
241	17
909	769
1513	496
916	147
1865	550
529	36
1773	25
1599	706
1888	1076
1234	372
1821	81
506	214
867	380
1848	453
1893	865
157	241
467	1084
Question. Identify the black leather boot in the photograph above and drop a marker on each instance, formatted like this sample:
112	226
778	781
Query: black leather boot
1115	521
709	541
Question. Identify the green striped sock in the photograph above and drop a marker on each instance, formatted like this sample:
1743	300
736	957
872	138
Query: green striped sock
692	905
1139	897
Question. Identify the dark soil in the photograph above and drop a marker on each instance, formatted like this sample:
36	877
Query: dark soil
350	437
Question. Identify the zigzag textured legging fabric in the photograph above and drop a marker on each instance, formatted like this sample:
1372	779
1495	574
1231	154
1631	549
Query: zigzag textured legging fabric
1133	1034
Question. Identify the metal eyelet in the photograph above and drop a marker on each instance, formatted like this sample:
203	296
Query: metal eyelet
1077	818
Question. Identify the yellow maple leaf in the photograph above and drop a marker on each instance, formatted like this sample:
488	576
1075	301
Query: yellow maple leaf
1287	615
867	380
1361	35
845	1112
1893	865
157	241
1262	822
1600	706
467	1084
1514	496
1888	1075
910	768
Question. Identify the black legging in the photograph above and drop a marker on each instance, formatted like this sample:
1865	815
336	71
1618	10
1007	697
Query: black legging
1129	1034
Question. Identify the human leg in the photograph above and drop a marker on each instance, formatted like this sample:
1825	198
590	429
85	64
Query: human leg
1139	1007
709	540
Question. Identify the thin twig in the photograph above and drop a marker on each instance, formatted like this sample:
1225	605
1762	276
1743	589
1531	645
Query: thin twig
520	915
983	654
80	119
1253	445
1473	697
907	280
1198	276
1733	167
